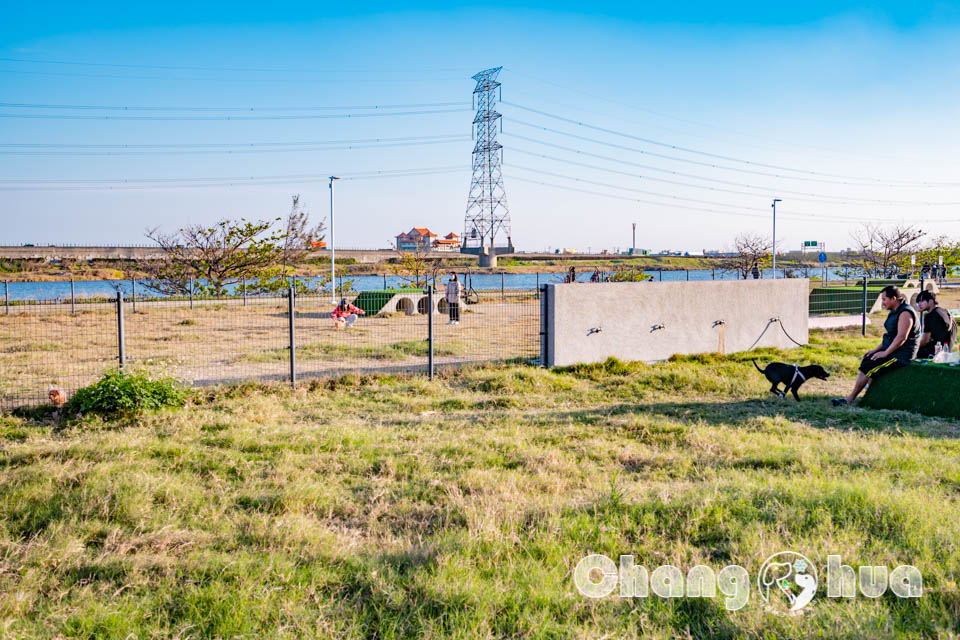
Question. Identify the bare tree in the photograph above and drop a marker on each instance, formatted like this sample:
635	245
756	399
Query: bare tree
300	239
882	249
751	251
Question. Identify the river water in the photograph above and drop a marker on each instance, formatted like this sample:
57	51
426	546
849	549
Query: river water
60	290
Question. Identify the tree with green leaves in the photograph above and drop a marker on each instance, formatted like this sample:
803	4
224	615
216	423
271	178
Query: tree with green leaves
212	260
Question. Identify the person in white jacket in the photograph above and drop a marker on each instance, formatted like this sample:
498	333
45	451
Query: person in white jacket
453	298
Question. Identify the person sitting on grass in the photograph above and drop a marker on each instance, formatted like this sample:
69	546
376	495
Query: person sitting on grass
939	327
345	314
898	347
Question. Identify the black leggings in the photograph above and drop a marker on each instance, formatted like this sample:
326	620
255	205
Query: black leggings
455	311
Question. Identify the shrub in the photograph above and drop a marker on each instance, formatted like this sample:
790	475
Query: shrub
122	394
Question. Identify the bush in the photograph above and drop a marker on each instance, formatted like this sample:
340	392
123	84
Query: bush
121	394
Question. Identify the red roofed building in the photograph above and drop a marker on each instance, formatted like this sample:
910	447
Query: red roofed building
417	238
449	242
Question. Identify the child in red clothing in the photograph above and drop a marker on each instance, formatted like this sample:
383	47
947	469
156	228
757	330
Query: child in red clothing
345	314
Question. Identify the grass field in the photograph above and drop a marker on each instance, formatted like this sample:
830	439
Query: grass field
395	507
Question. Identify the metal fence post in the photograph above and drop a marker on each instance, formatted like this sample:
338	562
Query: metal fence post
6	296
661	274
133	295
293	346
863	318
243	290
384	282
121	335
501	286
688	274
191	293
73	298
430	331
538	285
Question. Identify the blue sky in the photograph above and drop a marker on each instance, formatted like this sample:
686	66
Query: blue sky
841	111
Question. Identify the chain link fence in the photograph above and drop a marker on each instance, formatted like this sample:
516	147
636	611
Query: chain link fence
67	344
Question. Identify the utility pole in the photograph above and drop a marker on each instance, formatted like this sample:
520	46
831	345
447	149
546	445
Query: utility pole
333	251
774	205
633	250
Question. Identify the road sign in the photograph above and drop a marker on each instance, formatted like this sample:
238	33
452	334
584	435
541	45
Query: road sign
822	257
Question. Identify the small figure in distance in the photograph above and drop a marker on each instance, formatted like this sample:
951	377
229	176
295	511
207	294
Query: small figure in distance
345	314
452	297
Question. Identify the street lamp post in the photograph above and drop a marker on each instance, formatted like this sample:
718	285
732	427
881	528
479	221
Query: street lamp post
333	251
774	205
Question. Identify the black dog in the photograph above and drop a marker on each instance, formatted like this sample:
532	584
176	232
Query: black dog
791	376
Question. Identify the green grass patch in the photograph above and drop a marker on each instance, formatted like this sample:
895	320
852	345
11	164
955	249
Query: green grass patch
338	350
397	507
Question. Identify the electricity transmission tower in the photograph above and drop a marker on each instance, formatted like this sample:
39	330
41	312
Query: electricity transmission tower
486	226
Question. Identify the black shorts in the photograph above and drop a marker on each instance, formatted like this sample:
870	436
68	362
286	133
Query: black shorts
875	368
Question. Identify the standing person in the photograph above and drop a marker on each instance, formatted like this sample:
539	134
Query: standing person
898	347
345	314
572	275
939	327
453	298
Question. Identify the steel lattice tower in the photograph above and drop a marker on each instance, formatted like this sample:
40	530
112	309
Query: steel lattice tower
486	226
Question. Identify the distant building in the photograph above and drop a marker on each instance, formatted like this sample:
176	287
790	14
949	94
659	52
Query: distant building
449	242
422	239
418	238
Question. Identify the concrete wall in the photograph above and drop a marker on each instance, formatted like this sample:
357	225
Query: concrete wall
589	322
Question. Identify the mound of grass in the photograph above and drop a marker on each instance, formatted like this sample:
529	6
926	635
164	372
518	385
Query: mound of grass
119	394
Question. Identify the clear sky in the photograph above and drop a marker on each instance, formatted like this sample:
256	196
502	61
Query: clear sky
686	119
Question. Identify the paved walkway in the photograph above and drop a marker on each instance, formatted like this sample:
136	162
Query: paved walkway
835	322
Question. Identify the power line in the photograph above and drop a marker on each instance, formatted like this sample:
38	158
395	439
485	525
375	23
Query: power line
672	198
49	116
706	153
88	107
229	181
239	151
395	78
219	145
817	198
706	125
711	165
227	69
